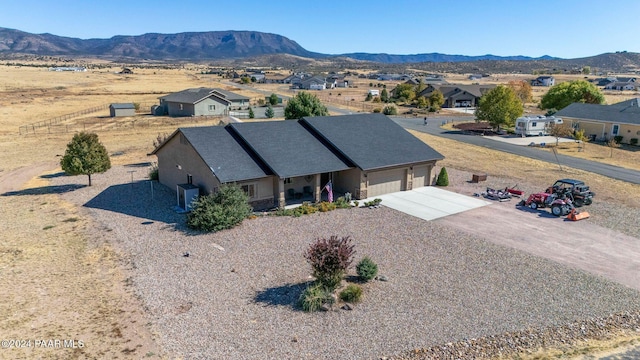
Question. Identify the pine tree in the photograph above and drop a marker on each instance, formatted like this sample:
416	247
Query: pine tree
443	178
85	155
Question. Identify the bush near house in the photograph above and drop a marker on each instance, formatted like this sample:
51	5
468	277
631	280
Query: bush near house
443	178
352	293
633	141
618	138
221	210
366	269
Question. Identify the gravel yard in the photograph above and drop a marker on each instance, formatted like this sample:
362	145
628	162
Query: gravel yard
234	296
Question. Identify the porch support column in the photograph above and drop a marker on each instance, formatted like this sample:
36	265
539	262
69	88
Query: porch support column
317	191
281	200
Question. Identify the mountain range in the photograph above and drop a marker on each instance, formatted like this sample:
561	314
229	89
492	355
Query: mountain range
212	45
247	45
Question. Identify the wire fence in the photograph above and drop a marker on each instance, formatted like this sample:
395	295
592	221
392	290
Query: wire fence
365	107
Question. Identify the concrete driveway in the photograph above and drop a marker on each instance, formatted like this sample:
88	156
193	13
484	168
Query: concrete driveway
430	202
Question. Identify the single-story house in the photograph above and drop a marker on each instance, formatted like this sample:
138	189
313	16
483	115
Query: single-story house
618	85
280	161
458	95
193	102
238	101
122	109
603	122
314	83
543	81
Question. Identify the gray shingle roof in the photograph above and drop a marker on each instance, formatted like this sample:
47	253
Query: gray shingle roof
288	149
192	96
122	106
371	141
224	155
231	96
627	112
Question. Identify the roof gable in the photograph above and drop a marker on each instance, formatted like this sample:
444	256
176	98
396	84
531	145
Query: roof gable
288	149
371	141
226	157
193	96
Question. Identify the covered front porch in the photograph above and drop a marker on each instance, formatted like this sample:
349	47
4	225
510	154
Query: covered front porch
299	189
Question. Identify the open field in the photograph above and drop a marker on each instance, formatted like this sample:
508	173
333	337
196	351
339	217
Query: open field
51	240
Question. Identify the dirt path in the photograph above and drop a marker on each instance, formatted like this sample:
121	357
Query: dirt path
14	180
580	244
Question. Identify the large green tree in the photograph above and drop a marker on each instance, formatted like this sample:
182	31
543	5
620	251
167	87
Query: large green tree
85	155
566	93
404	92
273	99
304	104
500	107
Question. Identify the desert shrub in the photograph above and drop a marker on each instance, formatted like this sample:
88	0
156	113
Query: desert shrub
443	178
374	202
366	269
159	140
326	206
136	106
618	138
390	110
377	110
314	296
306	208
330	259
369	97
153	172
352	293
633	141
221	210
342	203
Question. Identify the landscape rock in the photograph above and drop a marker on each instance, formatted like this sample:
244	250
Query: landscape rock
347	306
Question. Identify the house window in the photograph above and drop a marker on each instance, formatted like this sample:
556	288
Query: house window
250	190
287	181
212	107
615	129
534	124
181	107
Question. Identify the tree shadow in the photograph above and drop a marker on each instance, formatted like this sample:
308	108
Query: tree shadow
137	199
42	190
286	295
52	176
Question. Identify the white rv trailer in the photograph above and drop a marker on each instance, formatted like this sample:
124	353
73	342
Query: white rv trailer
536	125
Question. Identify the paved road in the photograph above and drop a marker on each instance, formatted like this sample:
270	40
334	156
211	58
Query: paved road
433	128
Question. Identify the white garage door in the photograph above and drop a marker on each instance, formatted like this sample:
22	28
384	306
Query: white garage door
384	182
420	176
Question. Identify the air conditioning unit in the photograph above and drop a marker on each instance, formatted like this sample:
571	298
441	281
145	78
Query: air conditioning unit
186	194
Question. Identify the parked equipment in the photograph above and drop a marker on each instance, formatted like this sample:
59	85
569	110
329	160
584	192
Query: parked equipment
576	189
537	200
575	215
499	195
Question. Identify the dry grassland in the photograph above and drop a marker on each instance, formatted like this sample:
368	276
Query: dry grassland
61	284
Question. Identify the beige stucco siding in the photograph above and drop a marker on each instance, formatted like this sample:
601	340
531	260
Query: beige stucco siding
348	181
604	130
177	159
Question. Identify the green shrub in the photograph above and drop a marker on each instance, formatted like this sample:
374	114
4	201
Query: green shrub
153	172
314	296
221	210
326	206
390	110
377	110
443	178
352	293
342	203
356	203
366	269
618	138
329	259
633	141
373	202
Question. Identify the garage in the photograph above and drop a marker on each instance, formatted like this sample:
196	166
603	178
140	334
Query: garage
386	181
420	176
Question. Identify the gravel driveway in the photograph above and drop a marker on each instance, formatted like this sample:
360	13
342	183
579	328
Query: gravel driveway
235	295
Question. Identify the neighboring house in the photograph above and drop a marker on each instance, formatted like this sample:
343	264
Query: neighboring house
259	77
238	101
456	96
395	77
621	86
126	71
127	109
338	80
313	83
543	81
193	102
275	79
364	154
603	122
475	76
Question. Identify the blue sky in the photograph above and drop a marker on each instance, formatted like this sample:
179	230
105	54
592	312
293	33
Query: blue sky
562	28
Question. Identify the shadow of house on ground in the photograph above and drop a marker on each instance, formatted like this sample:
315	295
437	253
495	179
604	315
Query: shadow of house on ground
43	190
137	199
285	295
